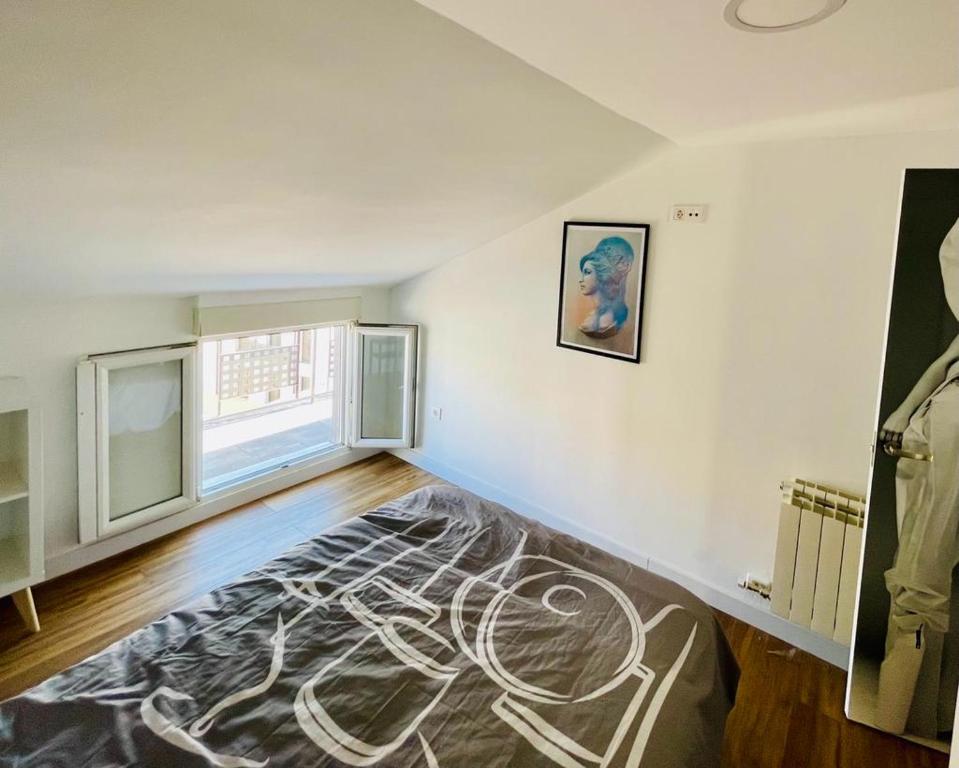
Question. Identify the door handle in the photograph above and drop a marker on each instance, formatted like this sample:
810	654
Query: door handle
897	452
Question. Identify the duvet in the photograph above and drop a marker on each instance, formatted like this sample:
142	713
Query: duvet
438	630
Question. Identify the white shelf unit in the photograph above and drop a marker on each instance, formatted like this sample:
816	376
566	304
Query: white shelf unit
12	484
21	515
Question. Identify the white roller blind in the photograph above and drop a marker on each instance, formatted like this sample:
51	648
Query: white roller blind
247	318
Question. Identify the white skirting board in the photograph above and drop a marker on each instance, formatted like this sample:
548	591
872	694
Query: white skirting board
729	601
80	556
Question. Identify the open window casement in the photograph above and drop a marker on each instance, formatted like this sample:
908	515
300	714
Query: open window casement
136	430
383	362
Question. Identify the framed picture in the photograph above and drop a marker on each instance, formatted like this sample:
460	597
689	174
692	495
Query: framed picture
601	288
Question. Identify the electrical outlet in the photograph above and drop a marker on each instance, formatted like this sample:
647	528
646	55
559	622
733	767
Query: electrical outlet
437	413
695	213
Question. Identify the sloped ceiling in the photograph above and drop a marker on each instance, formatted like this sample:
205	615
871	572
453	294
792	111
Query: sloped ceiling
176	146
185	146
677	67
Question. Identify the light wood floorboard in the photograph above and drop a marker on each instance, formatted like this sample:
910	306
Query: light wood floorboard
788	713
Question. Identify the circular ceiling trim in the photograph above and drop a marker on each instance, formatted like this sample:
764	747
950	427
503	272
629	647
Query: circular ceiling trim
731	15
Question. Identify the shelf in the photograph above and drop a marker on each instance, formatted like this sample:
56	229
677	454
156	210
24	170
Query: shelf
12	486
14	567
21	523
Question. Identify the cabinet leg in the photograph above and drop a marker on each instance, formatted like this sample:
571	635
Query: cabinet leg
23	600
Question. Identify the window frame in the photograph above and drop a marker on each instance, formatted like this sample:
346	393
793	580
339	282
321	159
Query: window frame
93	448
409	333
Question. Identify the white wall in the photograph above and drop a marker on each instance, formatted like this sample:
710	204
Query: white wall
43	340
762	344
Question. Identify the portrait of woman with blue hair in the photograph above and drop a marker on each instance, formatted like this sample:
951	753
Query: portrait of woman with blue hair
601	288
603	273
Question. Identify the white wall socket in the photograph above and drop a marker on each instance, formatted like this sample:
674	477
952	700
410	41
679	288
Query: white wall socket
437	413
688	213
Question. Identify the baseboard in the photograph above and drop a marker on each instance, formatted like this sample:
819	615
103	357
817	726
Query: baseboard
80	556
758	615
740	606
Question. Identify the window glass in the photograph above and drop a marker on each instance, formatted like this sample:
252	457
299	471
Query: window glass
146	449
383	391
268	400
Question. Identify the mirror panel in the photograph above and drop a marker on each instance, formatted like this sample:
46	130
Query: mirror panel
905	662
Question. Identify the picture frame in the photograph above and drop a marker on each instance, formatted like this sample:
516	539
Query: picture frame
601	287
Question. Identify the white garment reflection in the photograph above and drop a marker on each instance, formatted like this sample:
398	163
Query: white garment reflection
927	507
143	397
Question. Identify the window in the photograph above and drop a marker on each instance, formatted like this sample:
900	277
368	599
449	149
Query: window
383	386
134	428
269	400
157	428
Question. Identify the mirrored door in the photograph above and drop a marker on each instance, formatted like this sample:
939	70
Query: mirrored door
904	670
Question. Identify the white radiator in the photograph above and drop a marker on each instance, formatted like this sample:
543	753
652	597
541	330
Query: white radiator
817	558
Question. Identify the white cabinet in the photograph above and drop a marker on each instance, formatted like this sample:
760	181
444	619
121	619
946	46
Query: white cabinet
21	510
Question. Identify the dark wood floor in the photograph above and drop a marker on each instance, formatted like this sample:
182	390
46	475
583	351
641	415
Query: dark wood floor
788	712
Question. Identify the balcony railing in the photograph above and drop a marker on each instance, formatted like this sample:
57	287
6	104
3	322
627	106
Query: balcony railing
252	371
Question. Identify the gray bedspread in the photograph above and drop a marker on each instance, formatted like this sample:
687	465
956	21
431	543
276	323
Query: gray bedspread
439	630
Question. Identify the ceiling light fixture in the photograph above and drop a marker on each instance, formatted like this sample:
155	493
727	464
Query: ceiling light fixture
778	15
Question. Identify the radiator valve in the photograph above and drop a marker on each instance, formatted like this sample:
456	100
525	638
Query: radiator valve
759	586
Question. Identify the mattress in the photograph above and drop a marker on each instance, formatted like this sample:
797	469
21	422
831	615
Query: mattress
438	630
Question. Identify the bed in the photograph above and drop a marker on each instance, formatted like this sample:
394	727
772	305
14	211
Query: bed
440	630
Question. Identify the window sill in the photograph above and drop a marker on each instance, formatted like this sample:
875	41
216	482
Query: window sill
225	491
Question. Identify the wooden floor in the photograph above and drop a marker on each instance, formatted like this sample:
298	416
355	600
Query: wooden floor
788	712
